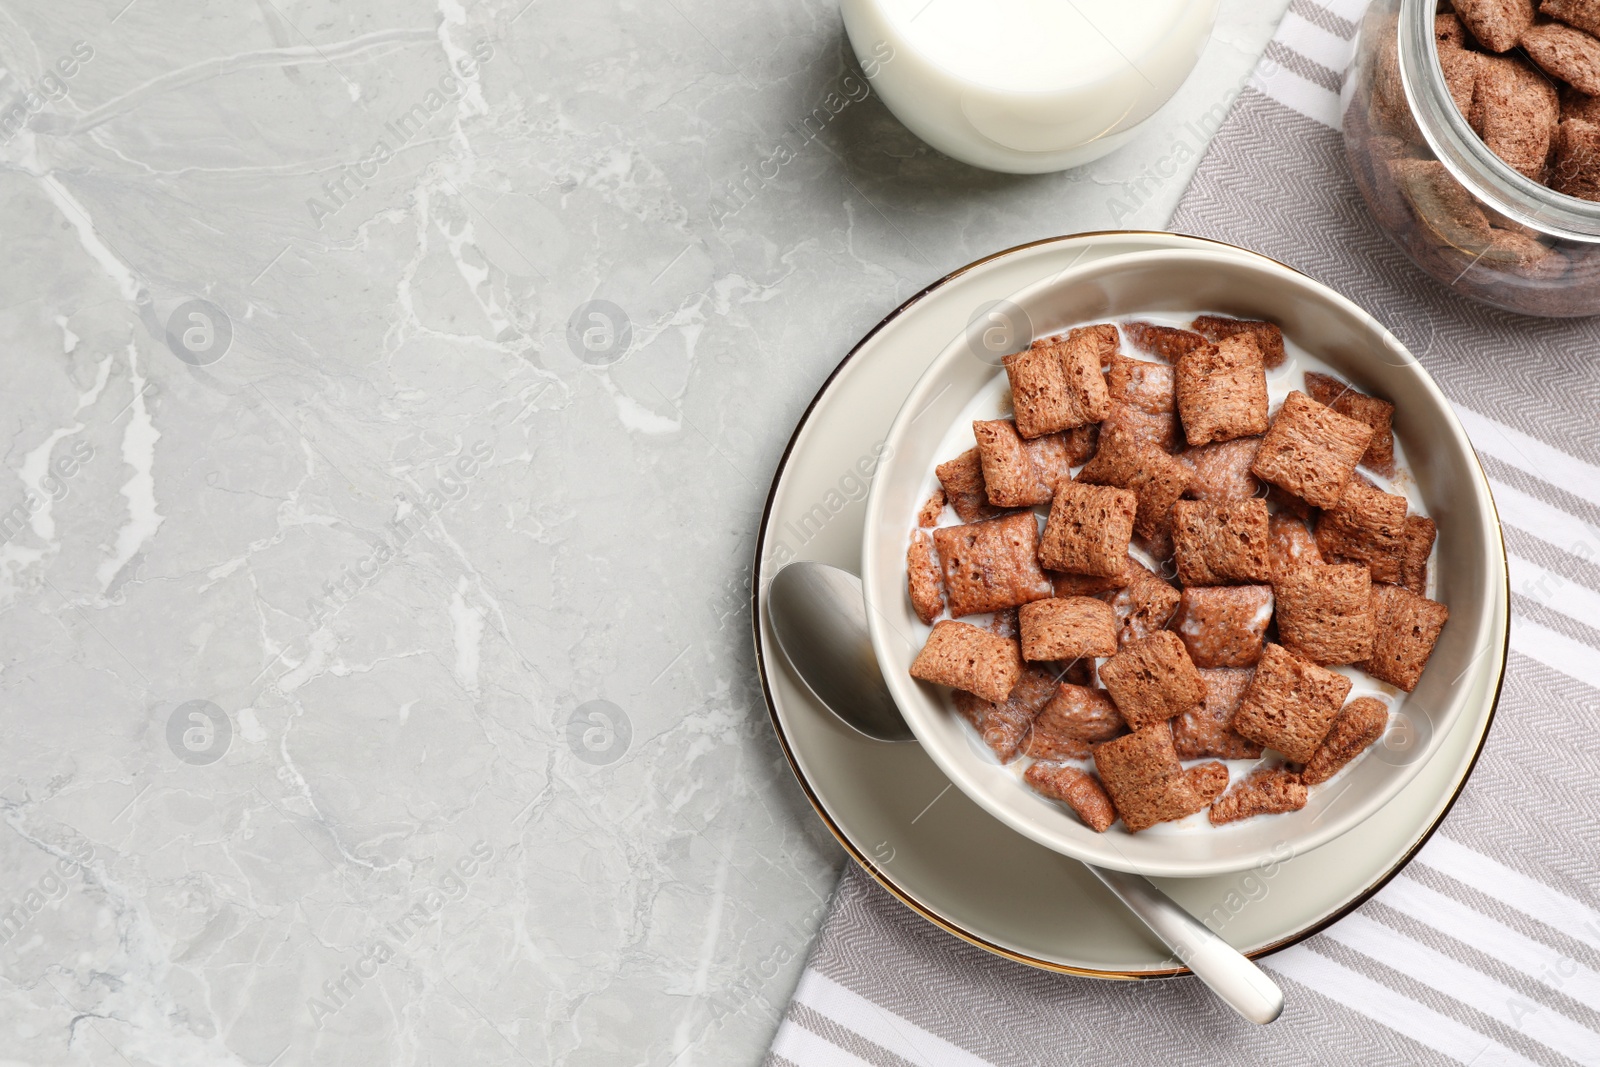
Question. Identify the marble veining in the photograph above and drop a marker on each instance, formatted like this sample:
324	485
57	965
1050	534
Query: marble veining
393	390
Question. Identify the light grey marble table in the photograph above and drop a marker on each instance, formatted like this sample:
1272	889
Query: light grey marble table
374	649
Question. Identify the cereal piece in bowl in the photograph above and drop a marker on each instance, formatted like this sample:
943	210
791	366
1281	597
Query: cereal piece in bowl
1325	613
1208	780
1168	342
1222	391
1290	703
1137	758
1056	384
1292	544
1405	628
1224	625
1420	534
1144	605
1207	730
1165	800
1089	529
1146	783
992	564
1362	722
1152	679
1265	791
1311	451
1379	414
971	659
1267	335
962	481
1222	470
1012	475
1221	543
1076	788
1147	386
1067	628
922	578
1005	725
1071	721
1367	526
1132	423
1090	584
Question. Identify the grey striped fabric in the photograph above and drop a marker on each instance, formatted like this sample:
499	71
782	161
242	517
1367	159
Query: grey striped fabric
1486	950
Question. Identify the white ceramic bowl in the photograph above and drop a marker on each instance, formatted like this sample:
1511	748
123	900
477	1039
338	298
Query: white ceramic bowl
1468	564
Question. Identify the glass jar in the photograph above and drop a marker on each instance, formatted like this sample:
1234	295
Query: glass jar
1461	214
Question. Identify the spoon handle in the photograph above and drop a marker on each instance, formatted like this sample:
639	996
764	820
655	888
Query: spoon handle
1242	985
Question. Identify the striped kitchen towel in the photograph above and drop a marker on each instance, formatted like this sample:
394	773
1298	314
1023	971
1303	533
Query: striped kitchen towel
1486	949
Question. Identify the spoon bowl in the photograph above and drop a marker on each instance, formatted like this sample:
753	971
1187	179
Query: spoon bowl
819	617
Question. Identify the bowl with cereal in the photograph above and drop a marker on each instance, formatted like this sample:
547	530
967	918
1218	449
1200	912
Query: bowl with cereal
1179	560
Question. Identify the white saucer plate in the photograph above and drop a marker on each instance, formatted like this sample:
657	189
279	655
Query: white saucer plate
897	813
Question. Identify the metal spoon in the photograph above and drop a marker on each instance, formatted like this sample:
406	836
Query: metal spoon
819	617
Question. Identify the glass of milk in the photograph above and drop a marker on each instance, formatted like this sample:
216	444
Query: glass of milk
1027	86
